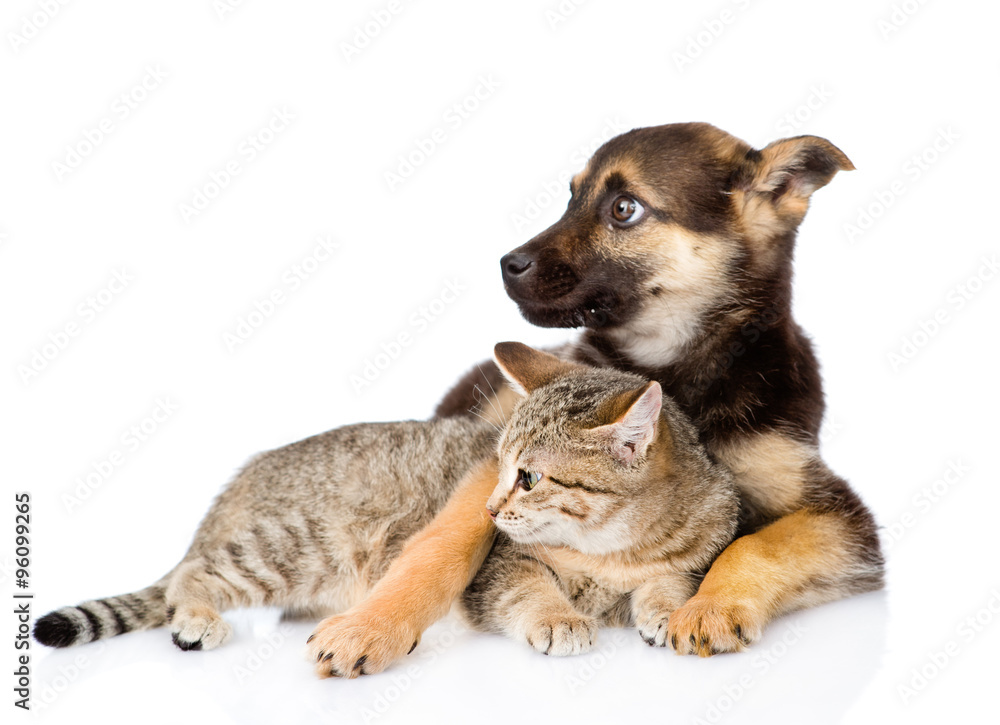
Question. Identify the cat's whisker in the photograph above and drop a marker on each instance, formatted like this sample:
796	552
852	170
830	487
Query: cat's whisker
488	422
499	412
493	424
537	550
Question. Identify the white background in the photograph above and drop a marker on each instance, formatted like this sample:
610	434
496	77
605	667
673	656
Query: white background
882	92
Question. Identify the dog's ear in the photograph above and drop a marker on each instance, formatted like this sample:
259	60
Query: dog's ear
527	368
773	185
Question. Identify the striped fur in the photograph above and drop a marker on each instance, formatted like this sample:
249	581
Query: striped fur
100	618
309	527
626	513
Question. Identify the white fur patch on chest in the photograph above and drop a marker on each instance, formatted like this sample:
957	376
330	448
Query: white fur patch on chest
690	281
657	337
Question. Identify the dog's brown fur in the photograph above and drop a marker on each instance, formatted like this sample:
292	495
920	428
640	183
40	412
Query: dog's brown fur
696	294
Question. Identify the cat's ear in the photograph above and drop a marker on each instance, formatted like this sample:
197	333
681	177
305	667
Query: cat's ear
527	368
628	437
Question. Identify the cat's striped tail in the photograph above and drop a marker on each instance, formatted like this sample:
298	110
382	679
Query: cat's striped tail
102	618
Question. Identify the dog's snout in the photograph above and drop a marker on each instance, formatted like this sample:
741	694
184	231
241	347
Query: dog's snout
515	265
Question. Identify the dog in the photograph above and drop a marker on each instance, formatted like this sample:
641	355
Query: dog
675	257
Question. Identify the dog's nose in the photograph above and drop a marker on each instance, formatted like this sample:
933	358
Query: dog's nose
515	265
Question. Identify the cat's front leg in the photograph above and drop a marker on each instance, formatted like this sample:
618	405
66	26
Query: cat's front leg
655	600
518	596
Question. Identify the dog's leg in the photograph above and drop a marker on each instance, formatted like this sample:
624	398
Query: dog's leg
823	552
419	587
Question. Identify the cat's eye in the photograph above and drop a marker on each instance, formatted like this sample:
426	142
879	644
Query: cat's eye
527	480
626	210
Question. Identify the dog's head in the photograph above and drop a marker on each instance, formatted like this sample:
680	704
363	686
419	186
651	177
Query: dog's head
661	222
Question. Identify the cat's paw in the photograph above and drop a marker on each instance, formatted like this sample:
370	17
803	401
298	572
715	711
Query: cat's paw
652	625
360	642
707	626
199	630
654	601
561	635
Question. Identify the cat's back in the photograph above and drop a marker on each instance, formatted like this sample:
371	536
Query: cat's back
377	465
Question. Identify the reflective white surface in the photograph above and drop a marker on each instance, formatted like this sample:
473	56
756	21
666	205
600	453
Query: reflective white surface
829	656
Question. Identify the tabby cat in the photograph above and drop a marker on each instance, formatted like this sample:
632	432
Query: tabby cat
608	509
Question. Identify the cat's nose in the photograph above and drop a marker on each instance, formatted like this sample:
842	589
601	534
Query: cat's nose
492	513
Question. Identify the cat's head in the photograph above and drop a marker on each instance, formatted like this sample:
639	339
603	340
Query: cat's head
577	454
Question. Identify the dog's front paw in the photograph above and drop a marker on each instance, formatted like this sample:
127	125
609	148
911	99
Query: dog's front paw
561	635
362	641
706	626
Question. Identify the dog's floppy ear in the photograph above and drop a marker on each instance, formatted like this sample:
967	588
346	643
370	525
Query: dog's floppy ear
527	368
775	183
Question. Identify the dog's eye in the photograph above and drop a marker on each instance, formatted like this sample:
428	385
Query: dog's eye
527	480
625	209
